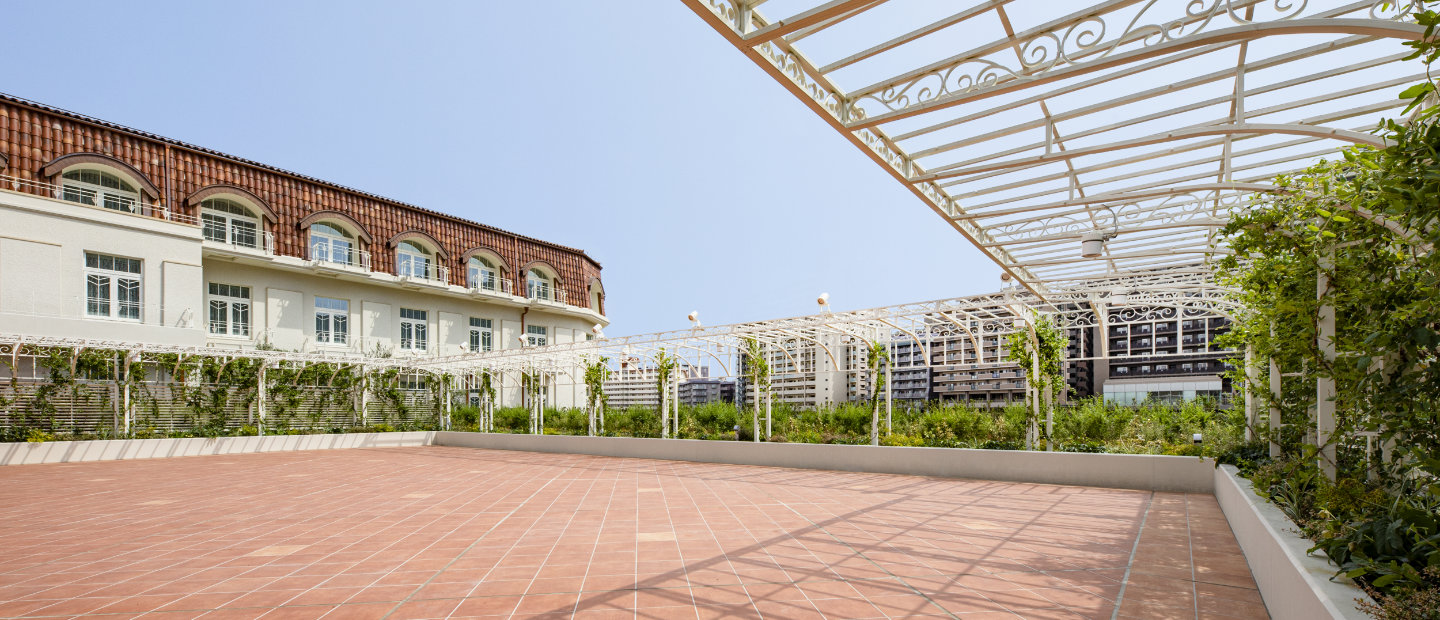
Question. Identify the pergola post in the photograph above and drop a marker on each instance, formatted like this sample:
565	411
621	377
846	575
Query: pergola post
769	409
664	385
1325	378
260	400
445	393
889	396
1032	434
127	407
1049	418
1275	422
1252	379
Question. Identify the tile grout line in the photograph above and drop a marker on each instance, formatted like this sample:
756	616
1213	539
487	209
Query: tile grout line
860	554
1120	596
1190	547
472	545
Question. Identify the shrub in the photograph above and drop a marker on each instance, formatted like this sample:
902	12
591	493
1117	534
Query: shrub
901	440
512	420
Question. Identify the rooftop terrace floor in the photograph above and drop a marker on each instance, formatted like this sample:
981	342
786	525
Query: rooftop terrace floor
439	532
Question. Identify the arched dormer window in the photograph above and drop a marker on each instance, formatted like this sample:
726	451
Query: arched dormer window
227	221
412	260
100	181
330	242
539	284
483	273
99	188
597	296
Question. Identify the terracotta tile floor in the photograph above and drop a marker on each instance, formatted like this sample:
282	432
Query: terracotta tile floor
453	532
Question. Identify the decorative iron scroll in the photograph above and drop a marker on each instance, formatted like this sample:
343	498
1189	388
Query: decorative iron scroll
1085	40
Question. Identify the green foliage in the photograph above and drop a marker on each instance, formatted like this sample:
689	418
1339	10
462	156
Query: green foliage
596	374
1364	226
512	420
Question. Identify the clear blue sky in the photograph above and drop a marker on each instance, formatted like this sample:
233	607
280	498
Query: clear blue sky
637	134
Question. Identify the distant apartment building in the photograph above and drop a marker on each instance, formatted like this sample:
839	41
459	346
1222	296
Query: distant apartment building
1148	355
1167	360
637	384
704	390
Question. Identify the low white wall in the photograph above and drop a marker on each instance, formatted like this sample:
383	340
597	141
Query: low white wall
1293	583
1121	471
121	449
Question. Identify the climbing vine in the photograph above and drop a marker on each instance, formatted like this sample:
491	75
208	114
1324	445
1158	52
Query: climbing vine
877	357
1051	347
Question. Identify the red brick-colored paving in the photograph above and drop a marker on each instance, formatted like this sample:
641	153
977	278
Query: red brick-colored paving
453	532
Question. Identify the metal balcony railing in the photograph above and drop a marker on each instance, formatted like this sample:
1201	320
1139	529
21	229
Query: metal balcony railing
429	273
90	197
492	284
325	254
265	244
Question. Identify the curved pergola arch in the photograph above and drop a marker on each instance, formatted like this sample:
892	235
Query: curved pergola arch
245	196
424	239
62	163
346	220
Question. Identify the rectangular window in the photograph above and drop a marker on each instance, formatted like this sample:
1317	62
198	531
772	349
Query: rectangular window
412	330
535	335
229	310
243	233
332	320
482	335
225	228
413	382
112	287
213	226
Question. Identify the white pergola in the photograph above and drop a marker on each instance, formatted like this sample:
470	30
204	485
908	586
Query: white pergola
1030	126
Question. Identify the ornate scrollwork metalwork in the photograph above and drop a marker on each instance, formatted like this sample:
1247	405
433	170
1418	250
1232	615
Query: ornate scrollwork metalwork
1173	209
1074	43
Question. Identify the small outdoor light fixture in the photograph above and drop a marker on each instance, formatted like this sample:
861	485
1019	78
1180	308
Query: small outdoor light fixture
1119	297
823	300
522	341
694	317
598	331
1092	243
1196	438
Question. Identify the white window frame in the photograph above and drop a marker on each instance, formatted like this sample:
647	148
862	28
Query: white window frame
337	321
124	199
539	285
329	241
536	335
414	330
233	226
233	303
483	275
412	260
482	334
104	286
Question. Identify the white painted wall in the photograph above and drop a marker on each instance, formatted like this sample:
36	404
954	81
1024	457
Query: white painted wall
283	301
42	261
42	291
